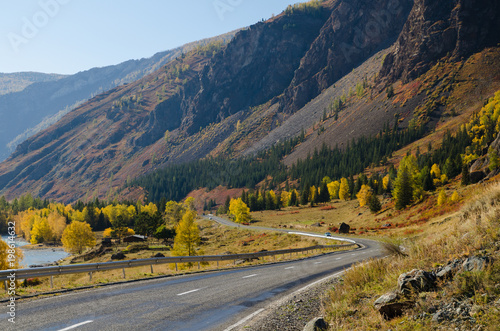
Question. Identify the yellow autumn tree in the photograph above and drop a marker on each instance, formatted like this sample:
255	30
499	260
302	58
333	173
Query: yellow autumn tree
239	210
344	193
41	231
385	182
77	236
441	198
455	197
150	208
10	256
285	198
111	233
333	189
57	224
435	171
187	236
364	195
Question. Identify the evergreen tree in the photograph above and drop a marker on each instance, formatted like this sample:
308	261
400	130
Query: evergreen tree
465	175
324	195
304	197
374	204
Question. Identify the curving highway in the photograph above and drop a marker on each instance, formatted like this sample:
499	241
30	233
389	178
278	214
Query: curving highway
206	301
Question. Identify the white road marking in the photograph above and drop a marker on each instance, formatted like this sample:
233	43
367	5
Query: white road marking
289	268
339	258
249	276
184	293
318	262
76	325
353	254
234	326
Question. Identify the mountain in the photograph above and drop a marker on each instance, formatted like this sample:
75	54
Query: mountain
44	99
18	81
320	69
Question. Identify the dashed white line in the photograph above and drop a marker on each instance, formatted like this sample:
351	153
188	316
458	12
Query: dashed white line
249	276
184	293
76	325
289	268
339	258
318	262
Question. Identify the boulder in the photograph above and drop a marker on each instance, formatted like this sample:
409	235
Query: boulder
390	306
416	281
118	256
476	176
317	324
449	270
344	228
475	263
158	255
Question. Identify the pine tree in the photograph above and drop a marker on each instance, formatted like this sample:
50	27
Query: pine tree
403	190
465	175
374	204
324	195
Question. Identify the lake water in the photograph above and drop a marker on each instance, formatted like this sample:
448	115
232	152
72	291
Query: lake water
38	256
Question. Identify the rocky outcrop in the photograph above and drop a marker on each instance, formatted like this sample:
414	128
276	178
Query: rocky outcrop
355	30
416	281
438	28
254	68
410	284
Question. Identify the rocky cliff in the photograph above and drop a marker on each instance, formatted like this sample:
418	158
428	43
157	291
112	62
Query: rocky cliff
434	29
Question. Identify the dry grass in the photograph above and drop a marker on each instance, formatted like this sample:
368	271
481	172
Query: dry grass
217	239
475	230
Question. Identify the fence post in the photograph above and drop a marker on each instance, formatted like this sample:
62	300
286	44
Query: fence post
123	273
175	266
199	265
6	286
152	271
90	276
217	264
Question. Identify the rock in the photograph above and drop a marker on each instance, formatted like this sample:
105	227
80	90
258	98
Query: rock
475	263
158	255
476	176
386	298
416	281
344	228
449	270
389	306
317	324
118	256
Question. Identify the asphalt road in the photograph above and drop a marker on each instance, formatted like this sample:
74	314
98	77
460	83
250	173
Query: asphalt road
207	301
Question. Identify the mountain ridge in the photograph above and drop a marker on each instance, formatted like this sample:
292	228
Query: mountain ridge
222	100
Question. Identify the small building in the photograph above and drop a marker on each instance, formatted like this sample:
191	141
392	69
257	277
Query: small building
134	239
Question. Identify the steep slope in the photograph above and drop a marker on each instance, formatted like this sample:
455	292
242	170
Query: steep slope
41	104
434	29
355	31
270	82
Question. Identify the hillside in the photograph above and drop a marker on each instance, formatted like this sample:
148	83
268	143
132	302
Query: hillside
275	80
18	81
42	102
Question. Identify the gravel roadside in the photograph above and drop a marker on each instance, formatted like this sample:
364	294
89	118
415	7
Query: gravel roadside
294	311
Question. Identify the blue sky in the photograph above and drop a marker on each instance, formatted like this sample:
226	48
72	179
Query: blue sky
67	36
